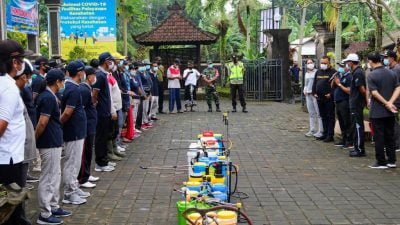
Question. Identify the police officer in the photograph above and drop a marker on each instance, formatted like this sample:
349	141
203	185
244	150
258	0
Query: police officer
210	76
324	93
236	78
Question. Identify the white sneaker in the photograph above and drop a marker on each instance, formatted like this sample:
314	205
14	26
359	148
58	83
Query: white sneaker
104	168
138	131
83	194
112	164
318	134
121	149
73	199
391	165
309	134
88	185
93	179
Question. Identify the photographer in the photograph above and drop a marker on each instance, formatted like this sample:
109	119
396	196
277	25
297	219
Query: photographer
191	75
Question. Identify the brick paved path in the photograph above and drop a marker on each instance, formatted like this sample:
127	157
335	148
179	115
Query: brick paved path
290	179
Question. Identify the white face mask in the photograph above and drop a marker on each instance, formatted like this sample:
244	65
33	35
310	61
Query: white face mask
95	80
324	67
19	72
111	66
310	66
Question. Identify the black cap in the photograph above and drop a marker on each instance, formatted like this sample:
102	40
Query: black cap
391	54
41	60
89	70
55	74
94	63
74	67
11	49
177	61
105	56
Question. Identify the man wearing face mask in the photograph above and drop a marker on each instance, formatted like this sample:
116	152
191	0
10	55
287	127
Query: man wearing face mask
236	79
102	100
154	92
341	85
84	177
357	102
174	85
324	93
74	123
191	75
147	85
210	76
42	66
49	141
12	122
391	61
161	78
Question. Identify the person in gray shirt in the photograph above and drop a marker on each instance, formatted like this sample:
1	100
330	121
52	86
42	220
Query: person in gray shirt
384	88
391	61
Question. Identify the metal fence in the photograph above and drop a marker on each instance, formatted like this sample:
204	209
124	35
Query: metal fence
264	80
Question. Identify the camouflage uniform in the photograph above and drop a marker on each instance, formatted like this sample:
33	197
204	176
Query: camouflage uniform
211	91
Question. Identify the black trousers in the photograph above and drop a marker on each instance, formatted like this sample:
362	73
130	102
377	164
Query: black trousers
160	97
237	88
327	112
138	122
102	133
344	118
357	120
384	138
14	173
188	95
87	153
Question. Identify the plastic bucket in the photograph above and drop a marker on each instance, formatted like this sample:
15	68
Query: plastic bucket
219	187
199	167
227	218
181	206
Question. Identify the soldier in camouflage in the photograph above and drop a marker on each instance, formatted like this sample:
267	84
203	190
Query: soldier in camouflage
210	75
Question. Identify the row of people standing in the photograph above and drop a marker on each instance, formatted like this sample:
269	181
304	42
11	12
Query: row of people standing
346	92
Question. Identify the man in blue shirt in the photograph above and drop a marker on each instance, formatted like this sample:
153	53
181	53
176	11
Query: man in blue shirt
102	99
73	119
341	84
49	141
84	177
42	66
154	91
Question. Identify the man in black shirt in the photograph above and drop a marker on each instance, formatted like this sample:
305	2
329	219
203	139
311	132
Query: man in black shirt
324	93
357	104
384	87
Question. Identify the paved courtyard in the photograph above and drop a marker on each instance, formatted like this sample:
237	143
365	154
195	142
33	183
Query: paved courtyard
290	179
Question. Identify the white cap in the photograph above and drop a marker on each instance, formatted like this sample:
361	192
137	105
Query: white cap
352	57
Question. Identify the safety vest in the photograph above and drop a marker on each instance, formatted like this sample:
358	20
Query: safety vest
236	71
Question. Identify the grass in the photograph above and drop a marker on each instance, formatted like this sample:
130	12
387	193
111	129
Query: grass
93	49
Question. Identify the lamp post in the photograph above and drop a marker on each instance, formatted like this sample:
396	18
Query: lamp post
3	28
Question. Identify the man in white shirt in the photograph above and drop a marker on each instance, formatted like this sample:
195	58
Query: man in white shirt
12	122
191	75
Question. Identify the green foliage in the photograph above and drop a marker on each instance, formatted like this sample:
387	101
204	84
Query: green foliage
294	24
80	53
19	37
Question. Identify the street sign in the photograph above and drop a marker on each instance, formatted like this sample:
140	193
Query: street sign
22	16
90	24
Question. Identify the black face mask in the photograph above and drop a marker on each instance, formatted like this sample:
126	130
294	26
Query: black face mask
46	68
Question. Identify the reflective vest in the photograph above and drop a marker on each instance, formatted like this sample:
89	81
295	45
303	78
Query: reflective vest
236	71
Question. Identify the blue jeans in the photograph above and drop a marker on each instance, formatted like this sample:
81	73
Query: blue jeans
174	95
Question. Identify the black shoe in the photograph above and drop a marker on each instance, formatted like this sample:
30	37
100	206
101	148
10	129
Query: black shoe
162	112
217	110
209	110
320	138
355	153
154	118
328	139
244	110
234	110
378	166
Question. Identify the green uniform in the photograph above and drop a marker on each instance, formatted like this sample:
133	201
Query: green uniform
211	90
